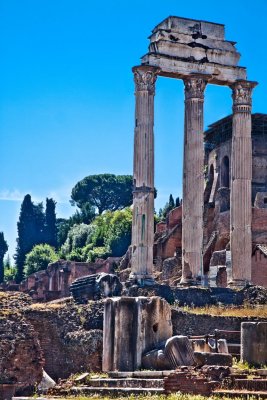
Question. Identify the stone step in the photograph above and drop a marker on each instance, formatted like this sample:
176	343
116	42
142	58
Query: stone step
140	374
125	383
255	384
246	394
117	391
33	398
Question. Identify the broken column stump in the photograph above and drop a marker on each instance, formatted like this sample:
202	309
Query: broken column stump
95	287
179	351
254	343
133	326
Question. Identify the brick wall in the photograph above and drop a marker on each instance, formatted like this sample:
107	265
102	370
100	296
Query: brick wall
259	269
186	382
174	217
69	337
173	242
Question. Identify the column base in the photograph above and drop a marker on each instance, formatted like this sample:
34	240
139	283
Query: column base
238	283
140	280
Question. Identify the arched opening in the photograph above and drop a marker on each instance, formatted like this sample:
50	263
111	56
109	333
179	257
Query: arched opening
225	176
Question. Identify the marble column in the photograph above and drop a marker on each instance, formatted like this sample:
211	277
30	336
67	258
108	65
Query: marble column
241	174
193	179
143	176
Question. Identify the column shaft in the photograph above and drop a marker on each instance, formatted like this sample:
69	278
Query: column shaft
143	175
193	179
241	175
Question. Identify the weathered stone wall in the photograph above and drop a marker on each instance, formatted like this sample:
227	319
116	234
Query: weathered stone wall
195	324
168	241
259	223
174	217
70	336
21	358
259	268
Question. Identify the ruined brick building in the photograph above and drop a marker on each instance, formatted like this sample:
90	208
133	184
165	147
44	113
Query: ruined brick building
216	217
218	152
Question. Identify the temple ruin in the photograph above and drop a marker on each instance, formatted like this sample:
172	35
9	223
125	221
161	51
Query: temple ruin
196	52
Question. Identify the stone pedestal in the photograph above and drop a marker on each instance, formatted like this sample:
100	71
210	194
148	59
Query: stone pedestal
132	327
193	179
143	176
241	174
254	343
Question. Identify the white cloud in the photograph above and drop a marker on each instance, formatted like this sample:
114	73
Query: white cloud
61	195
11	195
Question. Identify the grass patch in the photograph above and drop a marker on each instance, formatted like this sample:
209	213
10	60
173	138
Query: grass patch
174	396
46	306
257	311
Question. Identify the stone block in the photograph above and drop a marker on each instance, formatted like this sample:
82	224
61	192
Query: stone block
213	359
133	326
155	359
254	343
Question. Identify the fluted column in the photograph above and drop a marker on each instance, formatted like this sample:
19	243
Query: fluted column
241	174
193	179
143	176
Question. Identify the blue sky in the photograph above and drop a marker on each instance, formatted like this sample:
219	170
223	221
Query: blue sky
66	92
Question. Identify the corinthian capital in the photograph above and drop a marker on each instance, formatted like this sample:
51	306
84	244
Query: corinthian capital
242	93
194	86
145	77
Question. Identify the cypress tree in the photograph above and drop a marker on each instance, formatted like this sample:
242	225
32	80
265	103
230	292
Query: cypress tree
50	223
171	202
177	202
30	232
3	250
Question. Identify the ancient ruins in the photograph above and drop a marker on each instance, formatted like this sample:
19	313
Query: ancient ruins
125	317
196	52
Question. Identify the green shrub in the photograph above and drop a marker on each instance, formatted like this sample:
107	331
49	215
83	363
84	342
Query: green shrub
39	258
98	252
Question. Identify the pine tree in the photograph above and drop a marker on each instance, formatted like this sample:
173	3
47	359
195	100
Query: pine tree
50	223
3	250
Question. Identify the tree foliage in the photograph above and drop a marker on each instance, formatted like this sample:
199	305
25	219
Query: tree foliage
170	205
78	236
39	258
177	202
50	229
118	237
34	227
3	250
63	226
103	192
109	234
